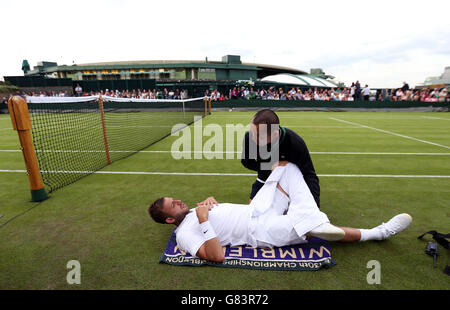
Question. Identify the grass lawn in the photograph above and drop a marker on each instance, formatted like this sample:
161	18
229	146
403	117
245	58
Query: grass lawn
102	221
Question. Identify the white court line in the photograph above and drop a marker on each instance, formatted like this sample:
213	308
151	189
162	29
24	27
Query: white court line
390	132
375	153
149	126
431	117
234	174
140	173
96	126
383	176
227	152
312	126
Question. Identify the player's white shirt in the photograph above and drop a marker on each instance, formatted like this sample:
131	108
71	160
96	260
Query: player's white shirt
221	217
272	219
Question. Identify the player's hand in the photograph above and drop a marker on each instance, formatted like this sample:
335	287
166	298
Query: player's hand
279	163
202	213
210	202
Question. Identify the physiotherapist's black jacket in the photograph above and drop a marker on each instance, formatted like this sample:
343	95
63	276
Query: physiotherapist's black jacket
292	148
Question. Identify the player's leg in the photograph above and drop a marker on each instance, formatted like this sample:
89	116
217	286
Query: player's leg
256	186
293	182
302	211
295	187
330	232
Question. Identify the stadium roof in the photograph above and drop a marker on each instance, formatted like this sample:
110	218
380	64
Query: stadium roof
230	67
161	64
299	79
167	64
187	63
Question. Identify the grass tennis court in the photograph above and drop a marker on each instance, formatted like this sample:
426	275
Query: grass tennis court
371	166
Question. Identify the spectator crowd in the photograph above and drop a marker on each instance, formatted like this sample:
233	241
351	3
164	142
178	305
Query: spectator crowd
352	93
138	94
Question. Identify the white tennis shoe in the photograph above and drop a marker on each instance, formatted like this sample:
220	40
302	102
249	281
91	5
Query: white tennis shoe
395	225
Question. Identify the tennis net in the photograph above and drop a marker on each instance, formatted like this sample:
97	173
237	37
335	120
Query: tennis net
76	136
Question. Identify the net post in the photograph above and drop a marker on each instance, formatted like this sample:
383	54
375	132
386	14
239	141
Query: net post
21	122
105	138
206	106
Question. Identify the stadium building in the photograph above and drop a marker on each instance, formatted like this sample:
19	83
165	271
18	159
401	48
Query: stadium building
438	81
230	68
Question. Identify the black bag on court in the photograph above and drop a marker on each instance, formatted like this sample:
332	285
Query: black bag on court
442	240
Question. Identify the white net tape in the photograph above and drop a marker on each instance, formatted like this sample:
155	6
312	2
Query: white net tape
36	99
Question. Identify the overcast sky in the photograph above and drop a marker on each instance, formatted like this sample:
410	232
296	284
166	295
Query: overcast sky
380	43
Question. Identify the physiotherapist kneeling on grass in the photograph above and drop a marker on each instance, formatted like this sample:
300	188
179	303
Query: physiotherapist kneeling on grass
267	143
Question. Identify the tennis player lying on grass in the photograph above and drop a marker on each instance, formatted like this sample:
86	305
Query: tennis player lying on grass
282	213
